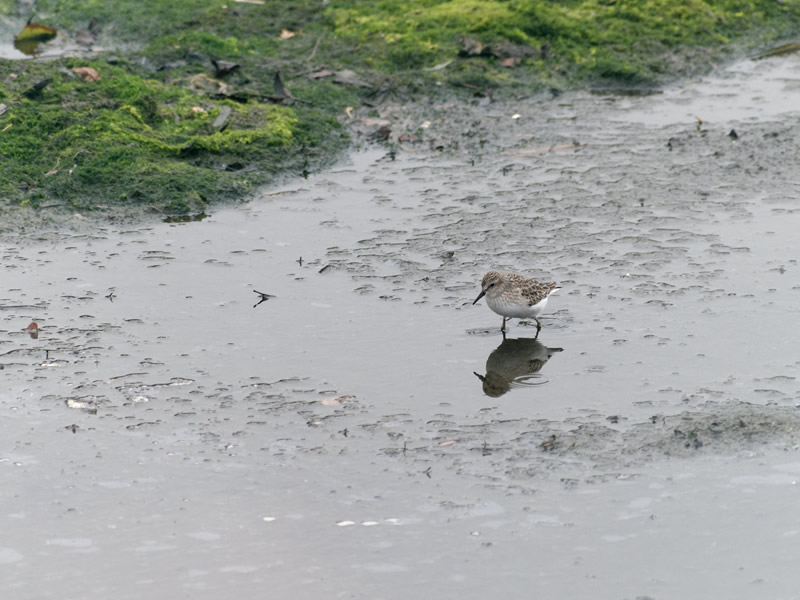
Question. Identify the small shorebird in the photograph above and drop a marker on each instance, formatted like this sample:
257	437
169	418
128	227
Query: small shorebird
515	296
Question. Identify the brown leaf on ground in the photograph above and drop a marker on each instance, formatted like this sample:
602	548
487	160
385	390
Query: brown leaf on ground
86	73
505	49
224	67
471	47
33	330
286	34
348	77
204	83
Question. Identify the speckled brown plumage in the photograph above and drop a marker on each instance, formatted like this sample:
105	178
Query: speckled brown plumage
515	296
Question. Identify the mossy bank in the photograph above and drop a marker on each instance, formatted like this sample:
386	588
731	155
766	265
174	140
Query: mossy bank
172	106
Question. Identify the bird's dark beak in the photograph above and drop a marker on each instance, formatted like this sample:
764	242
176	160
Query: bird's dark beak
479	297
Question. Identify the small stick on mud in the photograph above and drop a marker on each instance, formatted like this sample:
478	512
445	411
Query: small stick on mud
264	297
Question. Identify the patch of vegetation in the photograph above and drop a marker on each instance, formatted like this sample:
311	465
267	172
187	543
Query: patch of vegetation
168	124
575	40
125	139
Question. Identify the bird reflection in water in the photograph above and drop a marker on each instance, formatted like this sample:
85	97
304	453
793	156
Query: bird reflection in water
514	363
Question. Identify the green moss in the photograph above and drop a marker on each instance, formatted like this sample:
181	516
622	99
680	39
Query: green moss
588	38
200	42
128	139
148	132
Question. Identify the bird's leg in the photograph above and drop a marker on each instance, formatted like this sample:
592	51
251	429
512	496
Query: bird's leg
503	326
538	328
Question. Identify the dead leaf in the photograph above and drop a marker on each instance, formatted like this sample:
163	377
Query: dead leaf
87	73
49	173
511	61
224	67
258	2
373	122
286	34
204	83
280	88
471	47
447	443
33	34
440	66
321	74
33	330
349	77
504	49
7	127
349	111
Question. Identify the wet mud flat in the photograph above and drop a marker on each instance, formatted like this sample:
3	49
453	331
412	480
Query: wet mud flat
367	432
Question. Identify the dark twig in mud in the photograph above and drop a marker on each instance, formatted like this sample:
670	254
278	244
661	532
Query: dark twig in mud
264	297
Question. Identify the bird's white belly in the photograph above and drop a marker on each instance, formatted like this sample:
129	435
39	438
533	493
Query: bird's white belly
516	310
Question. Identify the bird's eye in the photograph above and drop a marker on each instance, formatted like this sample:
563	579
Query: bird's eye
491	285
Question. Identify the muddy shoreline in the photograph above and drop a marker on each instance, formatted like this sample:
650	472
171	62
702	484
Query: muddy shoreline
335	440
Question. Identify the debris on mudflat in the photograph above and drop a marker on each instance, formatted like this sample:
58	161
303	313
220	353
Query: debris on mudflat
264	297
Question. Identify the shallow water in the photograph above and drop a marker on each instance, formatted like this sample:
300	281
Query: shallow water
165	438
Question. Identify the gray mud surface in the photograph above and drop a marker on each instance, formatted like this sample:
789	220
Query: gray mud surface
163	438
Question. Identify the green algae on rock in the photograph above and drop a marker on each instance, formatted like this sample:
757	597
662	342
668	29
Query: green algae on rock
126	139
163	127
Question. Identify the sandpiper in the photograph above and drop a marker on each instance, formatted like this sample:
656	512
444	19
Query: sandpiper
515	296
